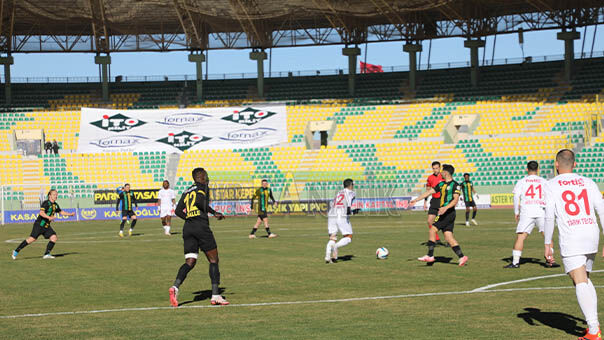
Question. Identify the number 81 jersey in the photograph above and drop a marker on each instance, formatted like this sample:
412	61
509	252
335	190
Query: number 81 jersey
529	198
573	201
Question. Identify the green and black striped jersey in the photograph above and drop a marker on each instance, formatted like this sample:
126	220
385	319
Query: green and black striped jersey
447	190
49	209
466	190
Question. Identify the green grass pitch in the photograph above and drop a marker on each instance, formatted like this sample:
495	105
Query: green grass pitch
97	271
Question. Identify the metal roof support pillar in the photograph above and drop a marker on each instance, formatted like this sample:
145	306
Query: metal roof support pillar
104	61
260	57
351	53
474	45
412	49
7	61
198	59
569	51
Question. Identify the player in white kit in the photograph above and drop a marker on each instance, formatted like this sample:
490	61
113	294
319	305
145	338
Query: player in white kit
572	202
166	202
339	219
529	210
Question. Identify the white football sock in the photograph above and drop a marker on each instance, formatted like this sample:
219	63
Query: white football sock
329	247
589	305
343	242
516	254
594	297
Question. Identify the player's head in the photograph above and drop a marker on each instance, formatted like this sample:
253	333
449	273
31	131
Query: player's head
166	184
466	176
127	187
200	175
264	183
53	194
532	167
448	170
565	161
348	183
436	167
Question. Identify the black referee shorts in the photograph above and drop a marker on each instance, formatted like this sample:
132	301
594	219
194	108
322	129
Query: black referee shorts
197	236
434	206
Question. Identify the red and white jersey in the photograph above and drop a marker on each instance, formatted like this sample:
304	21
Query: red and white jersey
340	204
529	196
166	196
573	201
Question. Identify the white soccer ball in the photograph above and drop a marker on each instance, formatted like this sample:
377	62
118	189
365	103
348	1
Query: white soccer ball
382	253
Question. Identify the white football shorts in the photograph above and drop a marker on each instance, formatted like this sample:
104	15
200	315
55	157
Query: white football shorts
339	223
573	262
526	224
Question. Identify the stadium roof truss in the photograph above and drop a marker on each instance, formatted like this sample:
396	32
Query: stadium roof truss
106	26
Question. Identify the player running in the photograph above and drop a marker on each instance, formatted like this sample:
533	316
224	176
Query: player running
433	180
42	226
339	219
572	201
125	201
449	196
193	207
166	202
467	190
263	194
529	209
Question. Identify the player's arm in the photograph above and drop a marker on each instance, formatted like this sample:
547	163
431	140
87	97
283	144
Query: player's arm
516	193
550	217
119	199
426	194
43	208
64	213
180	207
203	204
271	197
134	200
598	202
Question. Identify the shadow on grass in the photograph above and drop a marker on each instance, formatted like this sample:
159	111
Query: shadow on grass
345	258
531	260
175	233
65	254
561	321
438	244
40	256
137	234
201	296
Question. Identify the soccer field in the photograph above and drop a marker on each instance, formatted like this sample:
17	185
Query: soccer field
100	286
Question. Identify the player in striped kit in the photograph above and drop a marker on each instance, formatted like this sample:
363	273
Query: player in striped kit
572	202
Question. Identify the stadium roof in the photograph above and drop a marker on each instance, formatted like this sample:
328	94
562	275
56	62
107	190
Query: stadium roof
168	25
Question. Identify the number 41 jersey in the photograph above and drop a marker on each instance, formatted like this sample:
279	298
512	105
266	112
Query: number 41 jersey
573	201
529	198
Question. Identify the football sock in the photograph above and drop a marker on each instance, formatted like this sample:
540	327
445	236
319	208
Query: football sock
49	247
122	226
516	254
254	230
268	231
182	274
457	250
594	297
474	214
329	247
343	242
588	304
431	246
467	216
133	224
21	246
215	278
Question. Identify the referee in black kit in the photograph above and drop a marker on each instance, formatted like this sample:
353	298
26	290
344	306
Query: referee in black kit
193	207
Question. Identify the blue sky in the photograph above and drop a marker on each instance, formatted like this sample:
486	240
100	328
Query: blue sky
294	59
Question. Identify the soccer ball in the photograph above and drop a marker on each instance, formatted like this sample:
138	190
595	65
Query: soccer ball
382	253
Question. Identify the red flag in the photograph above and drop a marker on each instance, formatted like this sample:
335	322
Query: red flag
370	68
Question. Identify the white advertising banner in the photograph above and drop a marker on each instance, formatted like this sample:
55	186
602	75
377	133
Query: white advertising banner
177	130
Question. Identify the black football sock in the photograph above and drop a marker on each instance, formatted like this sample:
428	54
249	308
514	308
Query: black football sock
49	247
457	250
254	230
268	231
21	246
182	274
467	216
474	214
122	225
431	246
215	278
133	223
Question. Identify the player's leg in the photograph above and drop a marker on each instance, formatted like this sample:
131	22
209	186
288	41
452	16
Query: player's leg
455	246
217	299
432	235
25	243
517	250
551	262
124	218
266	227
345	229
191	249
431	218
255	227
168	225
52	239
474	210
467	216
578	268
133	220
332	230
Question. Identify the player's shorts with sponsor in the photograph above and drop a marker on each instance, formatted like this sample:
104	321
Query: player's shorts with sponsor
341	223
526	224
38	230
128	213
576	261
262	215
434	206
165	211
197	236
470	204
446	222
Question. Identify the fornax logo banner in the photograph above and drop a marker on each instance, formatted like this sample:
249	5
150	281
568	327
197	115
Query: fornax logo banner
178	130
